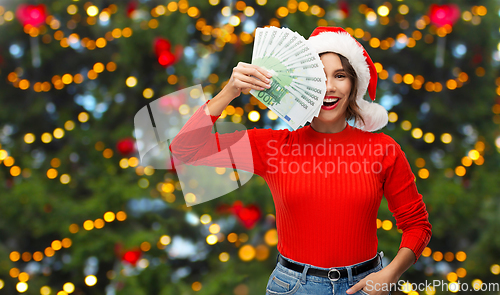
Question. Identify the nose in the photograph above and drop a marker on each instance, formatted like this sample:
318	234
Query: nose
330	85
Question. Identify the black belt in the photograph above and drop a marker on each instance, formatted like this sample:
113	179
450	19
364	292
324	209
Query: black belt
333	274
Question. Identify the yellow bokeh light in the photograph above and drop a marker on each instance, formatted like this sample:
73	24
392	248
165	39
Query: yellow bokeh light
88	225
406	125
416	133
466	161
427	252
72	9
224	257
460	170
52	173
246	253
74	228
29	138
69	125
476	284
408	78
212	239
66	242
446	138
214	228
109	216
437	256
403	9
205	219
99	223
461	272
495	269
83	117
69	287
461	256
92	10
387	225
148	93
383	10
121	216
58	133
254	116
49	252
56	245
21	287
90	280
46	137
15	170
429	137
271	237
15	256
131	81
145	246
65	178
423	173
45	290
474	154
165	240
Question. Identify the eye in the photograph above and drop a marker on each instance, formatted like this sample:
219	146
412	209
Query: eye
340	76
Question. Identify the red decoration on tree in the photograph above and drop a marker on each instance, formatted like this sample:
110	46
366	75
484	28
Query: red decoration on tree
446	14
33	15
131	7
344	7
248	215
126	146
162	50
132	256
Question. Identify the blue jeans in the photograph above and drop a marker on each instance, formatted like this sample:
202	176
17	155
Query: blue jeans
284	281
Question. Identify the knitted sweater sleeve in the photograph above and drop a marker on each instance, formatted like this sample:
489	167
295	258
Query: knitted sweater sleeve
197	145
404	201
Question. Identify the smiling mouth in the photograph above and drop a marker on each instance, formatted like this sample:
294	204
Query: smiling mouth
328	102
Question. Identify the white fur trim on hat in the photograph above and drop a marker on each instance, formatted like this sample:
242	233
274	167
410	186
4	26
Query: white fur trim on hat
374	115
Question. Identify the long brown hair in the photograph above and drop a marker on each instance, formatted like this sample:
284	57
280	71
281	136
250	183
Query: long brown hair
352	111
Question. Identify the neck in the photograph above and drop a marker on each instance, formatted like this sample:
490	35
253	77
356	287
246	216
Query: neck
322	127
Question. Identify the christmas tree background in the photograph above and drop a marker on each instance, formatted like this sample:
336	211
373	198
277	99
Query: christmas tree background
80	215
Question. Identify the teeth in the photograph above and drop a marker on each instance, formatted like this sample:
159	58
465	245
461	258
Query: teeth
330	100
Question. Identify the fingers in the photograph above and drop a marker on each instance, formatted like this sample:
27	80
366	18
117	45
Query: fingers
245	82
253	70
356	287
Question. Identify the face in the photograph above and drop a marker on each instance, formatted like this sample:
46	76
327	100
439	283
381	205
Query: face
338	88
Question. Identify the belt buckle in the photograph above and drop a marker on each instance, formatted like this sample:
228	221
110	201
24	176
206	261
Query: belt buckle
333	279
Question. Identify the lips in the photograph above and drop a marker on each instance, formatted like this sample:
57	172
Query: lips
330	102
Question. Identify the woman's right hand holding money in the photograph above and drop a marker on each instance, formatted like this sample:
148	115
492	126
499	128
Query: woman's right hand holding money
247	76
244	78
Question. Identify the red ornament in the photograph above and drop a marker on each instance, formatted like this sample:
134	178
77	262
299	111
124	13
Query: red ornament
132	256
166	58
162	50
248	215
161	45
131	7
344	7
446	14
33	15
126	146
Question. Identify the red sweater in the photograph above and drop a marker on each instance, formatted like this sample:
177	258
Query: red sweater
326	187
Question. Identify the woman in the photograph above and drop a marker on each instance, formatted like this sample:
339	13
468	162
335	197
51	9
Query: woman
327	178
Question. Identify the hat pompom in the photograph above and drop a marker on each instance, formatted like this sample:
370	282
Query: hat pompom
374	115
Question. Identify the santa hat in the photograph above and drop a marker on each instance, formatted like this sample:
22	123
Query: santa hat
337	40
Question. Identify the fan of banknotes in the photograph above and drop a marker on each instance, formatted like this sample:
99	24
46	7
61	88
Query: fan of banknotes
298	83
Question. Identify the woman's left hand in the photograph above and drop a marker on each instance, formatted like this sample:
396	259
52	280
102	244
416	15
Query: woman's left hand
377	283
